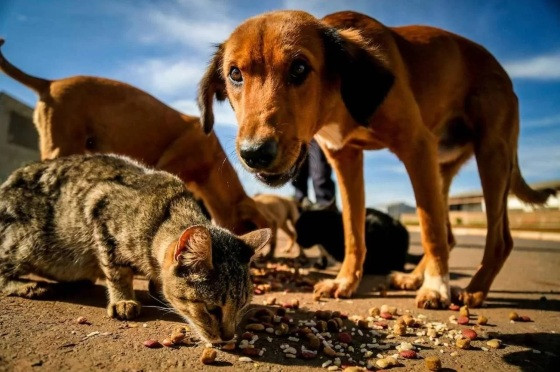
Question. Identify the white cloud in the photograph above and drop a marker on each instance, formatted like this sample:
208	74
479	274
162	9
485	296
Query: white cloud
543	67
181	22
166	77
223	114
545	122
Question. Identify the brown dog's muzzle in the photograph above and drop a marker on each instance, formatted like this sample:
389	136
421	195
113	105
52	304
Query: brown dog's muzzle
262	157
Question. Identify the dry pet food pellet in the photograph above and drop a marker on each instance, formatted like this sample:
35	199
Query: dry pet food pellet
345	337
408	354
82	320
462	320
177	337
469	333
229	346
255	327
399	329
463	343
167	342
250	351
208	356
433	363
454	307
374	311
245	359
524	318
464	311
494	343
386	315
482	320
152	344
513	316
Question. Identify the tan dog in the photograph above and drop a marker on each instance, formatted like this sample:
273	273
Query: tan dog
85	114
431	97
282	213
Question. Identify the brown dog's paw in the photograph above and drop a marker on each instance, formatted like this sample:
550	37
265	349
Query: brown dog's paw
427	298
471	299
124	310
337	288
410	282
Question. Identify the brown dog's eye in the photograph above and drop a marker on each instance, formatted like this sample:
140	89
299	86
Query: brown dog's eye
235	76
298	71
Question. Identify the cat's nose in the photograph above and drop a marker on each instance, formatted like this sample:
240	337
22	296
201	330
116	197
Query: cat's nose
227	334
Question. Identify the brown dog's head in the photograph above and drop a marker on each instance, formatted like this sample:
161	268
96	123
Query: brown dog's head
286	74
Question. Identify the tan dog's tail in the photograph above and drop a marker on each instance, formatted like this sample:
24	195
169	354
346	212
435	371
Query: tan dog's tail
37	84
293	213
524	192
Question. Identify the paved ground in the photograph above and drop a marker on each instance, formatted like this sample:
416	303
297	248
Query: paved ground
44	336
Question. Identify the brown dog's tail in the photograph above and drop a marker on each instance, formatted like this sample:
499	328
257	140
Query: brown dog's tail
37	84
524	192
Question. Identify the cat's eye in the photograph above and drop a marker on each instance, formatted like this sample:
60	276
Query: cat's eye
214	310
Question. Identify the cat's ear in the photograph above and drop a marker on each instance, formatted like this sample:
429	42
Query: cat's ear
257	240
194	248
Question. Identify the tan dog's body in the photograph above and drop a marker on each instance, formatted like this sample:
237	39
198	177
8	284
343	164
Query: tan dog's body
431	97
282	213
85	114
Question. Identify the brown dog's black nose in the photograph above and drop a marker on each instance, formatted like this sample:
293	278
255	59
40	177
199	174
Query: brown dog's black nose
260	155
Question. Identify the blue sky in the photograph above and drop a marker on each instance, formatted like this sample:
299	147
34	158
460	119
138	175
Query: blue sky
163	47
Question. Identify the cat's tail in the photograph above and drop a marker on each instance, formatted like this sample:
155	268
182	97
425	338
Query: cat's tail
40	86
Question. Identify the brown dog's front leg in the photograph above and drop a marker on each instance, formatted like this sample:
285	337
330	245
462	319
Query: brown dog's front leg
349	168
420	160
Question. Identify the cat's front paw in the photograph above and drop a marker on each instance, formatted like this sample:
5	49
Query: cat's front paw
124	310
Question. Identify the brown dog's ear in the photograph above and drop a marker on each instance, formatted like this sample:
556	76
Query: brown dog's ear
212	84
364	79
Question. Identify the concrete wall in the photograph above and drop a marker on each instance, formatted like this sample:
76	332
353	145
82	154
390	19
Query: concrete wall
542	219
19	140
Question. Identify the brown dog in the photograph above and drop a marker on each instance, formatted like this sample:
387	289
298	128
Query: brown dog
431	97
282	213
85	114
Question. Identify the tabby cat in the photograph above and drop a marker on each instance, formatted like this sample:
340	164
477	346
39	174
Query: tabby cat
104	216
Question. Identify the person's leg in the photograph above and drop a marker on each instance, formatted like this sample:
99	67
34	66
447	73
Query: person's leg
321	175
300	182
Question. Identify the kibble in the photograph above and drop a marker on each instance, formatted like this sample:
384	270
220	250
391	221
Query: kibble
464	311
462	320
255	327
345	337
469	333
82	320
463	343
251	351
374	311
167	342
433	363
408	354
454	307
524	318
229	346
152	344
386	315
513	316
208	356
399	329
482	320
494	343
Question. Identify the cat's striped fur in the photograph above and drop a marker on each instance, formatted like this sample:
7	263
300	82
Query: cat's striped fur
103	216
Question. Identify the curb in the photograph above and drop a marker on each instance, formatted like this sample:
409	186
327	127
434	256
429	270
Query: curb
523	234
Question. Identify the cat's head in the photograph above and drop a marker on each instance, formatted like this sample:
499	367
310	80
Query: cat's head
206	278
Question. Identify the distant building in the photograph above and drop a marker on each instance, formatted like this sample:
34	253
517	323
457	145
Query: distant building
19	140
395	210
474	201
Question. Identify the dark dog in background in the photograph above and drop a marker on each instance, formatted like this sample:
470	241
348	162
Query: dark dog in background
387	239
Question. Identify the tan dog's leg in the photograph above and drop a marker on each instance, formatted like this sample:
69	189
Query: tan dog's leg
348	165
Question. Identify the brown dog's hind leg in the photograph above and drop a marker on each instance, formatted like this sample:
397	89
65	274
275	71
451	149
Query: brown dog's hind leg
494	165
